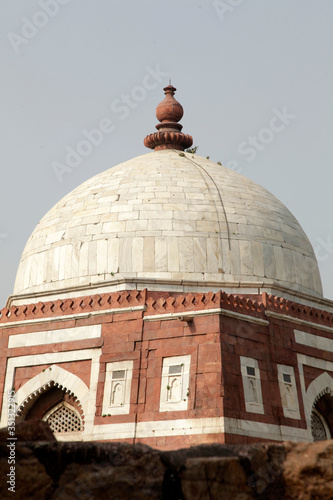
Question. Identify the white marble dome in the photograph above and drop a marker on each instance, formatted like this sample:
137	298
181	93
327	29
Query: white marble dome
168	221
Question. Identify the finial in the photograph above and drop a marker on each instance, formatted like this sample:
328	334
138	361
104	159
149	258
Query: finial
169	136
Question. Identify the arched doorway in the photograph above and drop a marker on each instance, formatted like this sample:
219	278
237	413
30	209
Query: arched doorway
62	399
322	417
55	405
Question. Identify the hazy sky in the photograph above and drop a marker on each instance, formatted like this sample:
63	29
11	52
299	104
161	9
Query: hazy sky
67	65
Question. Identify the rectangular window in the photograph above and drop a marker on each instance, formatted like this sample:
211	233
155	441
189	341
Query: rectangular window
175	369
288	391
117	388
175	383
251	385
251	371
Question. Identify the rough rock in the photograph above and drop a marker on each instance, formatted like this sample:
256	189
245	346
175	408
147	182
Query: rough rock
214	477
55	470
30	430
308	470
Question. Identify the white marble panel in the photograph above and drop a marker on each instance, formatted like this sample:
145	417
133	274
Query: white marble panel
159	224
212	246
280	264
136	225
113	227
125	254
199	253
315	341
186	255
173	254
137	254
257	258
92	258
160	254
75	259
83	264
54	336
55	256
102	257
246	258
54	237
113	255
149	254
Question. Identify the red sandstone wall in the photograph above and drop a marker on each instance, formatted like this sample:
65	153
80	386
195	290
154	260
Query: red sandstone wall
215	343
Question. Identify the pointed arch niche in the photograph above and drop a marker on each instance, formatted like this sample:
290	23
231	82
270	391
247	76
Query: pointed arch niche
319	407
84	395
58	397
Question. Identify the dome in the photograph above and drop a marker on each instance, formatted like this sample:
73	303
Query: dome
168	220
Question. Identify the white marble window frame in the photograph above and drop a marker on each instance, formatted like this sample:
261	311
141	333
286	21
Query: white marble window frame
288	412
251	406
165	404
123	409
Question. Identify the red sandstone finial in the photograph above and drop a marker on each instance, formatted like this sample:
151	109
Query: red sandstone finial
169	136
169	110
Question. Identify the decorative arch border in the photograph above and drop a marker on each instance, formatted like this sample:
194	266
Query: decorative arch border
320	386
87	397
23	409
323	421
327	390
57	376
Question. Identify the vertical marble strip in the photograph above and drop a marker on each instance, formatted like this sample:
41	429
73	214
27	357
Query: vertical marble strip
199	252
290	266
68	261
62	262
25	274
125	255
173	254
45	267
137	254
75	259
92	258
212	255
34	269
269	262
315	275
160	254
149	254
102	256
226	257
308	271
245	257
49	264
235	258
113	255
280	264
186	256
55	263
258	259
84	258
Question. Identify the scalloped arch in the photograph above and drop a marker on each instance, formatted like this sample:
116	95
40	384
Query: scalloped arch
318	387
59	377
